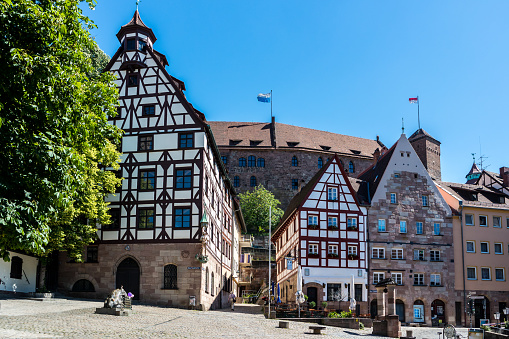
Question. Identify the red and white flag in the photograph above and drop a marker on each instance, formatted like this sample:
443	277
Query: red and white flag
413	100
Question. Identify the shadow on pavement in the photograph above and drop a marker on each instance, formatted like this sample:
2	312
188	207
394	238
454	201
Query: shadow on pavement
242	308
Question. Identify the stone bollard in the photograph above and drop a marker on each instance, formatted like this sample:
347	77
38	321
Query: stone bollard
284	324
409	333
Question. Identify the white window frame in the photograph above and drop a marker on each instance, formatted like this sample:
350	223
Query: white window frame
377	277
487	246
419	277
473	244
397	253
332	221
332	193
378	251
397	277
431	255
313	248
472	222
352	250
332	249
495	217
501	248
485	218
417	254
435	280
475	273
489	272
351	222
312	220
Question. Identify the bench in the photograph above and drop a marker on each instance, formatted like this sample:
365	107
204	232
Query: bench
317	329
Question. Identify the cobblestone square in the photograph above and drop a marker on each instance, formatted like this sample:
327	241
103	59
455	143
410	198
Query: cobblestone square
72	318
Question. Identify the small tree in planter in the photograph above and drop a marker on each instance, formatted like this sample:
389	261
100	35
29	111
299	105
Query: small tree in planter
324	305
312	305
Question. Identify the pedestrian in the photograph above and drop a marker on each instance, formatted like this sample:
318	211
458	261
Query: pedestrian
232	299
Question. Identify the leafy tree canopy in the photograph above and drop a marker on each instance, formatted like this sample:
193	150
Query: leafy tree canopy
54	135
255	209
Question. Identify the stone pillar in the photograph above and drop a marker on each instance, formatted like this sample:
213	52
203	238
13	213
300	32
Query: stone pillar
391	299
393	326
380	302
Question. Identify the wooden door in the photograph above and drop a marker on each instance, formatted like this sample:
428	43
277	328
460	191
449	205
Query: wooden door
128	276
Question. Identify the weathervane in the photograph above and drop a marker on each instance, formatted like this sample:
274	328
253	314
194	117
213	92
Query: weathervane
402	126
137	3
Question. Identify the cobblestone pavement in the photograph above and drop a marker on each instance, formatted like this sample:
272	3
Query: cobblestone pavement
71	318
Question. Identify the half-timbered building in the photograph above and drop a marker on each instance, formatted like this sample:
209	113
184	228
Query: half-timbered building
173	238
323	231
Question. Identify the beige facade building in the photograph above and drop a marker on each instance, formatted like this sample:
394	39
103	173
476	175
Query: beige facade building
481	250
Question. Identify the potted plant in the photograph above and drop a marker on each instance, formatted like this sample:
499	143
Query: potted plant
312	305
313	227
351	228
313	255
353	257
324	305
332	227
333	255
202	258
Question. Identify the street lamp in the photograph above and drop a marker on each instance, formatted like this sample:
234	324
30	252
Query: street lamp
506	313
497	316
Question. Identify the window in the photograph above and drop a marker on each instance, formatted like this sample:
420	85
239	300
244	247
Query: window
16	267
83	285
419	279
320	162
471	273
312	220
351	167
499	274
132	80
418	254
131	44
471	246
261	162
402	226
313	248
381	225
498	248
332	193
352	250
146	218
436	228
485	248
147	179
236	181
469	219
92	254
184	178
186	140
142	45
207	280
351	223
434	255
419	229
332	222
295	162
115	220
212	287
295	184
170	277
333	249
425	201
394	199
145	142
497	222
252	181
377	277
333	292
224	159
251	161
485	273
398	278
507	222
148	110
397	253
182	217
378	253
434	280
242	162
483	221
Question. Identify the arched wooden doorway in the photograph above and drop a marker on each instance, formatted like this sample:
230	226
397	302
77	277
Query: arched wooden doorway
128	275
313	294
438	310
418	311
400	310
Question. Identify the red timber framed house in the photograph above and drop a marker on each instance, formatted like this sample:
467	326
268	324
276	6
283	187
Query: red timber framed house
175	228
323	232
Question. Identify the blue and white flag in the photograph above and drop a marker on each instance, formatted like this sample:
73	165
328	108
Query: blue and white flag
264	97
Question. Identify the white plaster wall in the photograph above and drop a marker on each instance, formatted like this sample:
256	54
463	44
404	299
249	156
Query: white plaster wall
22	285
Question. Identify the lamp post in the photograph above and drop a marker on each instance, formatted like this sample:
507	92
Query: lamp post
506	313
497	317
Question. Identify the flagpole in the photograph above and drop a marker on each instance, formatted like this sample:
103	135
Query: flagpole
271	104
418	115
270	231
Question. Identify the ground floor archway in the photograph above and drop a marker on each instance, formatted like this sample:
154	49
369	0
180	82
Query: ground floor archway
418	313
400	310
128	276
438	310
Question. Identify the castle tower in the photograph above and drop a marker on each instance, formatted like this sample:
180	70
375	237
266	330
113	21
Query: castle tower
428	150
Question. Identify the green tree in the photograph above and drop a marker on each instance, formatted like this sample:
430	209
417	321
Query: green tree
54	134
255	208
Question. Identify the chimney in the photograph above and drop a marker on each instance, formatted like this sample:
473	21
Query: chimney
504	173
376	155
273	132
301	183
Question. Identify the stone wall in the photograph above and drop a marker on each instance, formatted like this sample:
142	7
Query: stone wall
429	153
151	259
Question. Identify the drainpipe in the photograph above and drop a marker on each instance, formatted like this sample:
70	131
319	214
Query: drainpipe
463	262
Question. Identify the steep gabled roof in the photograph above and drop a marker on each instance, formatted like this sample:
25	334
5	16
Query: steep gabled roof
484	196
420	133
373	174
136	24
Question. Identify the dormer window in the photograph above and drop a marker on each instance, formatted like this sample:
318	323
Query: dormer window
255	142
142	45
131	44
292	143
132	80
235	142
325	148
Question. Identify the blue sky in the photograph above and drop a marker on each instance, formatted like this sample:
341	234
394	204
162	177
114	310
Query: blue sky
346	67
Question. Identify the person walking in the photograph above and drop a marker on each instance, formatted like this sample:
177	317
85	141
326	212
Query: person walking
233	300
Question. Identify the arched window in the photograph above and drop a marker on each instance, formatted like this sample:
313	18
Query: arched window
207	280
295	162
320	162
242	162
261	162
236	181
170	277
212	288
251	161
16	267
83	285
351	167
253	181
